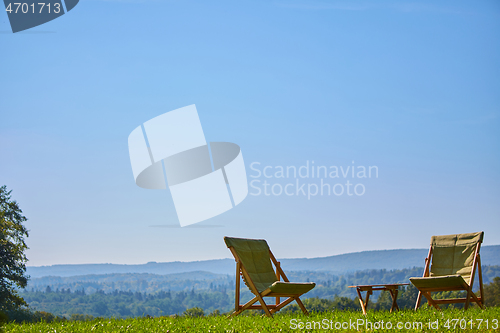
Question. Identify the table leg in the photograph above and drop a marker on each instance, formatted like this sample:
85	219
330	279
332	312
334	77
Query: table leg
394	295
364	304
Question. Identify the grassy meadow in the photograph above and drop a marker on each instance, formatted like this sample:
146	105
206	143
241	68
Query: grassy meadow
424	320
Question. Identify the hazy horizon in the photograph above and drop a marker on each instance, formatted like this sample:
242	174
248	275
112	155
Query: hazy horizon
279	258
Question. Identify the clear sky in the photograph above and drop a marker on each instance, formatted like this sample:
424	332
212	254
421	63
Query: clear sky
412	88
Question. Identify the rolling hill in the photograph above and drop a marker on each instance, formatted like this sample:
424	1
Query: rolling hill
338	264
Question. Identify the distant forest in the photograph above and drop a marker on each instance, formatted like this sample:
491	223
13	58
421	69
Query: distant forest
133	295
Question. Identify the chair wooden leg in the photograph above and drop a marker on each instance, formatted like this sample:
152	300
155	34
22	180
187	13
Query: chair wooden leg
301	306
476	300
283	304
244	307
419	299
479	302
430	301
480	276
237	292
467	300
264	306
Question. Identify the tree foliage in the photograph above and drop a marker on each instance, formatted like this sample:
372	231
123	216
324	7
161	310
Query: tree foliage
126	304
194	312
12	247
492	293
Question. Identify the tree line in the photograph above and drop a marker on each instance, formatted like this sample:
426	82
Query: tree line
124	304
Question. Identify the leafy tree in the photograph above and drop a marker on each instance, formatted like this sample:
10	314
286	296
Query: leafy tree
80	317
100	308
215	313
492	292
194	312
12	248
384	301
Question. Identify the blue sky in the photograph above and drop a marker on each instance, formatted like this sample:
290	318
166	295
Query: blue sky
409	87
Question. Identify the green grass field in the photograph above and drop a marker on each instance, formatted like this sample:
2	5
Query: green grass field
425	320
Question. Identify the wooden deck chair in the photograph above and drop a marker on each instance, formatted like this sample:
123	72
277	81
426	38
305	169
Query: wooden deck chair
451	265
253	262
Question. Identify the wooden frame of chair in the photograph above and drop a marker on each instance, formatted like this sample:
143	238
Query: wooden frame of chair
470	297
269	309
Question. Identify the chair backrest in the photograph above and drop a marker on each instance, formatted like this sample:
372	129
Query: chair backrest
254	255
454	254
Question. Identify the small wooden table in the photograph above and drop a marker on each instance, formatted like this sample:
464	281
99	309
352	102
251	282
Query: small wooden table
391	287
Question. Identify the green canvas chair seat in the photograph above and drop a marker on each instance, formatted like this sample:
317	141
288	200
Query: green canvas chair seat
451	265
447	281
281	287
254	262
